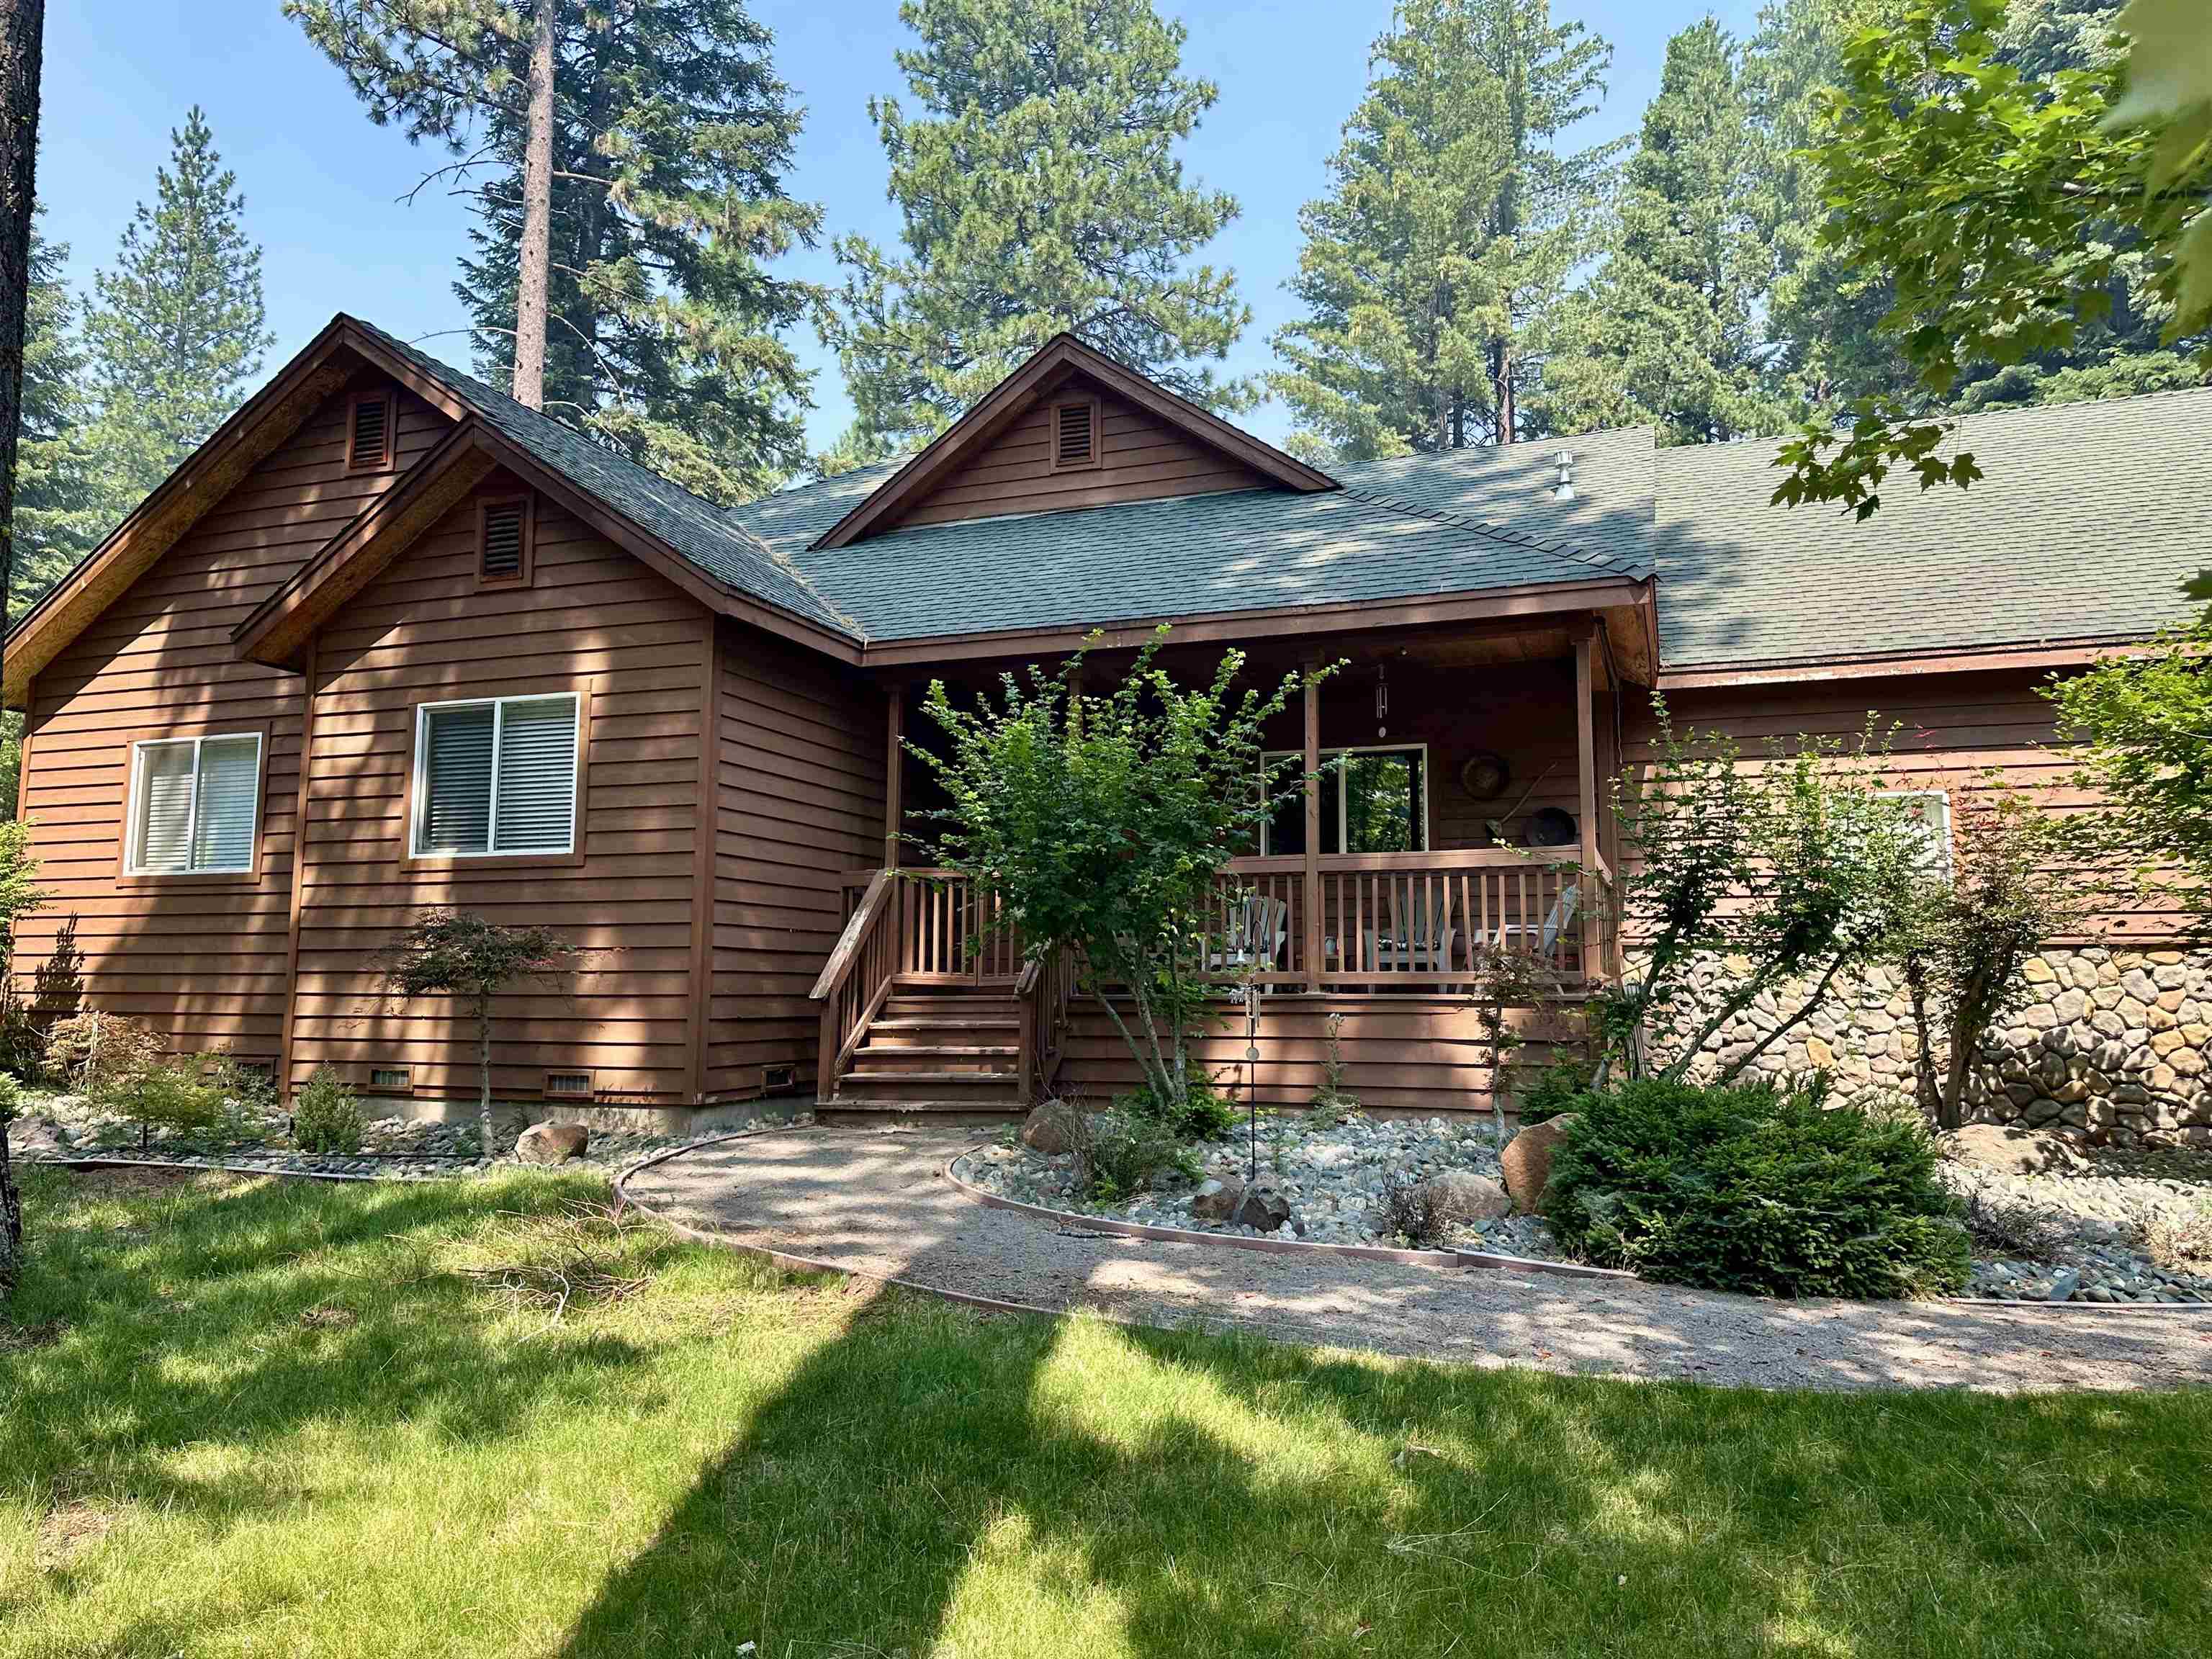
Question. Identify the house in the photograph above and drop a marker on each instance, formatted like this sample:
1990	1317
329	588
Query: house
391	640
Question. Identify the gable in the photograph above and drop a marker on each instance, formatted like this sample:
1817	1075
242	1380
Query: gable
1133	456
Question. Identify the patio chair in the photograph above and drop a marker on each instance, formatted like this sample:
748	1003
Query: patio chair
1556	924
1422	938
1258	930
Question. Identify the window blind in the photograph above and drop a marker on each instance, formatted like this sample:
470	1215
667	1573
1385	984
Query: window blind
194	805
498	777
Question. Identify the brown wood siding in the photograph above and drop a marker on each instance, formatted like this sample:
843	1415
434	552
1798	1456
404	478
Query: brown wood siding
1143	459
801	786
1401	1053
1951	728
593	619
201	959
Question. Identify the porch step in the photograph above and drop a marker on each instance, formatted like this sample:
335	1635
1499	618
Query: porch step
910	1090
933	1059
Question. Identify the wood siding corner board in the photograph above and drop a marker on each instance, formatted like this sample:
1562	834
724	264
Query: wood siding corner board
203	960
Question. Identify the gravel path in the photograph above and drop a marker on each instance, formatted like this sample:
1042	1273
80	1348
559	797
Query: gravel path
875	1202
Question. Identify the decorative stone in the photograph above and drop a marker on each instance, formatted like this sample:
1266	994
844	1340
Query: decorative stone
2010	1150
1055	1128
1527	1161
1262	1209
551	1143
1818	1052
1463	1195
1217	1201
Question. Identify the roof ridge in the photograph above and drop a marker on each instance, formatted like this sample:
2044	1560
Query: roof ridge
1557	549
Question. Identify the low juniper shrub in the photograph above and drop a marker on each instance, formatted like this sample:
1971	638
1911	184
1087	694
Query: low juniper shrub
326	1118
1756	1188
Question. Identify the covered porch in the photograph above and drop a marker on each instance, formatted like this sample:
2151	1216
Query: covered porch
1456	803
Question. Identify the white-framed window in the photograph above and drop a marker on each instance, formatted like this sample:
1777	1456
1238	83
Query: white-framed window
496	777
195	804
1373	799
1930	812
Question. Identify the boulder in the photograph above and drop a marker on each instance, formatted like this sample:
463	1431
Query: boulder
1463	1195
1262	1209
1527	1161
1054	1127
2009	1149
1217	1201
551	1143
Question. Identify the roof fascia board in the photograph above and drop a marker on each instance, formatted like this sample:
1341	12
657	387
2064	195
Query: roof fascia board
1979	660
281	625
1546	600
1052	364
255	429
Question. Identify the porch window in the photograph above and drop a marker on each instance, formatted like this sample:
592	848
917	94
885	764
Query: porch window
1372	800
193	804
496	777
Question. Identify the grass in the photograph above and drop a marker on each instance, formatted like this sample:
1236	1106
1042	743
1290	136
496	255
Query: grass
252	1417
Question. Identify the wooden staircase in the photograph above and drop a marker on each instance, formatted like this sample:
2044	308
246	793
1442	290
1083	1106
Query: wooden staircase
937	1048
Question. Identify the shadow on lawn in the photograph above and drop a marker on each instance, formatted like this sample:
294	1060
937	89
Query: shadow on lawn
876	1490
221	1356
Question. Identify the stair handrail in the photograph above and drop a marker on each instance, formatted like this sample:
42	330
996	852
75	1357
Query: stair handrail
847	948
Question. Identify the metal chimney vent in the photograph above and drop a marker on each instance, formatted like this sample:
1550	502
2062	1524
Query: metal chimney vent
1565	489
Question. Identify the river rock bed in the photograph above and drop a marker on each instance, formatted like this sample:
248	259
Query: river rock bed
57	1128
1333	1177
2096	1216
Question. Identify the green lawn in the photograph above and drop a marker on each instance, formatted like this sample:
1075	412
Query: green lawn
289	1419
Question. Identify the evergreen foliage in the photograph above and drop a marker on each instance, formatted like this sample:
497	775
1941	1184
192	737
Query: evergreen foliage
175	330
1433	270
1670	334
58	498
1039	191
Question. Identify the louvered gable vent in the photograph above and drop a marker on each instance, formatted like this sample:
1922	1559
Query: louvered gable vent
502	540
1075	435
368	443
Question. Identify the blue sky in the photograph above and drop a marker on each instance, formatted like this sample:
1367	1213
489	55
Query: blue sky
322	183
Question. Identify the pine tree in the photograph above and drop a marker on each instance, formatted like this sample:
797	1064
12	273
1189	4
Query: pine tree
1041	192
1668	335
666	329
668	141
1435	267
57	517
176	330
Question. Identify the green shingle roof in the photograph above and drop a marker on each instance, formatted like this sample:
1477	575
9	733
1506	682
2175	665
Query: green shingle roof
2090	517
2087	520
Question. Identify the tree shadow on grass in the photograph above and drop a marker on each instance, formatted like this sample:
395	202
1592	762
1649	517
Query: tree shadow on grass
931	1480
223	1357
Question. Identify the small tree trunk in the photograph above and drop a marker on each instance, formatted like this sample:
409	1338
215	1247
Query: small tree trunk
483	1074
533	279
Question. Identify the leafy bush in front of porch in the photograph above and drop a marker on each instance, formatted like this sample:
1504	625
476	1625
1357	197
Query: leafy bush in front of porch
1757	1189
1124	1151
1801	869
1102	822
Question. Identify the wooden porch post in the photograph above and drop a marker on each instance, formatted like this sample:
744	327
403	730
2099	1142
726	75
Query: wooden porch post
894	773
1312	826
1586	760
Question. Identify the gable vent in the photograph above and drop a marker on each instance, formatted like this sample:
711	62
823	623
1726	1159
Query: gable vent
368	443
1075	435
502	540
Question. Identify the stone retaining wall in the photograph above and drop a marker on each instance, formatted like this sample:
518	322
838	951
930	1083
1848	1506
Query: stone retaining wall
2106	1044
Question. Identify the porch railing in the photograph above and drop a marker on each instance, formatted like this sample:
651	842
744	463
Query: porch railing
1402	921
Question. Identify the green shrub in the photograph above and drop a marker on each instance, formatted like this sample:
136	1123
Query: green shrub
1756	1188
1203	1115
181	1096
1559	1088
11	1098
1124	1151
326	1118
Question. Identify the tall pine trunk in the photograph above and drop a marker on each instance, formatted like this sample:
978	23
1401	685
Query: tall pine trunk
22	44
533	278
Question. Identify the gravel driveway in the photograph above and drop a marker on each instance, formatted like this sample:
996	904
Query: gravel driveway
875	1202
